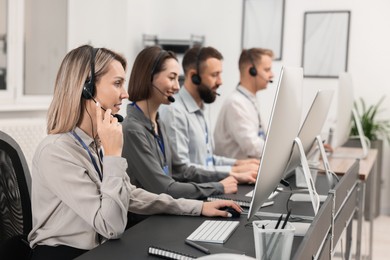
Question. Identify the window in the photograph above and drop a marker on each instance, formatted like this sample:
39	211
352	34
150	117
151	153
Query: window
325	43
31	51
3	44
263	25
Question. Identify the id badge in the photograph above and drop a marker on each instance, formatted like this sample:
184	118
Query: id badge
209	161
166	169
261	133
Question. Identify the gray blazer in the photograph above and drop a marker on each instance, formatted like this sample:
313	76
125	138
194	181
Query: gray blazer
146	161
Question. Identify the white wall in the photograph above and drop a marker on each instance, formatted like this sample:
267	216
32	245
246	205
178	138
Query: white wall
119	25
218	20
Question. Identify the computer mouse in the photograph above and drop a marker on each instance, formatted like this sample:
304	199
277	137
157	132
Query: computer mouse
235	214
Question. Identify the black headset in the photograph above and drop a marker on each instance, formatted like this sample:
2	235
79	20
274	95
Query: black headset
156	62
89	85
252	70
196	79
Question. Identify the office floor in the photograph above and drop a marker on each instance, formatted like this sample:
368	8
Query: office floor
381	239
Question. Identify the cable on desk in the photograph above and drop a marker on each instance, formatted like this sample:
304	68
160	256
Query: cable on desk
288	200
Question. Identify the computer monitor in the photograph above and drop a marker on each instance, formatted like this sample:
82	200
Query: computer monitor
283	128
311	126
345	100
345	113
308	135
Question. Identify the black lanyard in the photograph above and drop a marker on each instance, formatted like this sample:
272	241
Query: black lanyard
161	144
90	154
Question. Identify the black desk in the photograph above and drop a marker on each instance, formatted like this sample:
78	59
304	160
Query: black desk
170	231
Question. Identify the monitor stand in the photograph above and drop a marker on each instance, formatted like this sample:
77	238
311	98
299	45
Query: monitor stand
330	175
314	197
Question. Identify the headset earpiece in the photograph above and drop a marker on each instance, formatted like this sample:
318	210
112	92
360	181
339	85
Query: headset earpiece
89	86
252	70
196	79
87	90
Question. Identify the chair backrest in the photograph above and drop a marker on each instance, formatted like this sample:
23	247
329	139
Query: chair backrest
15	186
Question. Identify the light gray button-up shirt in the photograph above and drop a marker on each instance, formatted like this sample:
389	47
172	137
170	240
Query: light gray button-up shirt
238	131
72	206
190	135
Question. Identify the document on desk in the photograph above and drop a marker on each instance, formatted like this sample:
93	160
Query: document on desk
169	254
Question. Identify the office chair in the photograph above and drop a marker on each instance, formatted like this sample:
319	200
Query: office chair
15	204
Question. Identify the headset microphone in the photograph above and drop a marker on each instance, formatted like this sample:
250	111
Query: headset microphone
170	98
117	116
268	80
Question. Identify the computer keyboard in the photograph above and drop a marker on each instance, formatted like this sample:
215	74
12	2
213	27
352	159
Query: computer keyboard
214	231
242	203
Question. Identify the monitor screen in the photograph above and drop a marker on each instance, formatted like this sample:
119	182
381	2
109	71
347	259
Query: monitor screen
345	114
311	126
345	100
283	128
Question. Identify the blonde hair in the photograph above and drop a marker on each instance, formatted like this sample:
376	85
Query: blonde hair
252	57
65	111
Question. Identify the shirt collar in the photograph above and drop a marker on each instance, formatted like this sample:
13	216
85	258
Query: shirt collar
188	101
84	136
246	92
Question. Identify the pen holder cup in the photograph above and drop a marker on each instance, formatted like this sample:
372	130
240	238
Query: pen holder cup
271	243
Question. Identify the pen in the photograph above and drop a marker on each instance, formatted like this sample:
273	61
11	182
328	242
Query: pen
265	256
199	247
279	235
286	219
279	220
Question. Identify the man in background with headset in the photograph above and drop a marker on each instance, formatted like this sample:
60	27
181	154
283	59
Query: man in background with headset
240	132
186	119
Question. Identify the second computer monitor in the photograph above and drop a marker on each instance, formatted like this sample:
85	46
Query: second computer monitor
311	126
345	114
283	129
344	110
